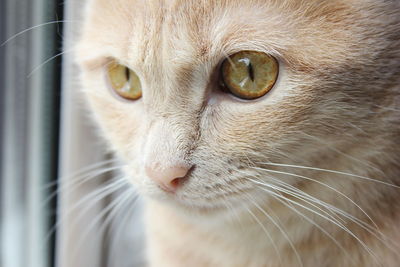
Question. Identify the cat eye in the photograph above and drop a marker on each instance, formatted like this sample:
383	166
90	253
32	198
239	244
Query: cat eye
124	81
249	74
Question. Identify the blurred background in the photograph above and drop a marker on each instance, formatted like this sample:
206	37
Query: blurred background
57	197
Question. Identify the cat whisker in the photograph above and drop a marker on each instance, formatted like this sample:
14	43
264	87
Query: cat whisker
72	184
375	232
331	171
128	209
325	185
332	211
34	27
118	201
47	61
344	228
231	210
366	164
280	198
99	193
41	65
295	192
306	198
79	173
104	191
131	201
279	228
267	233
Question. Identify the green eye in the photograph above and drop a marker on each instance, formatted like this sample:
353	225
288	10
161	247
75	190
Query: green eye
249	74
124	81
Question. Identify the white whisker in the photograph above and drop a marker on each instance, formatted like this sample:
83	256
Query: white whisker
280	198
331	171
128	207
267	233
72	184
116	202
344	228
295	192
79	173
47	61
280	229
366	164
32	28
99	194
326	185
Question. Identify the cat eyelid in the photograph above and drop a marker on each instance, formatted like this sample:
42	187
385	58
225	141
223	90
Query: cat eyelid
229	52
94	64
98	63
110	60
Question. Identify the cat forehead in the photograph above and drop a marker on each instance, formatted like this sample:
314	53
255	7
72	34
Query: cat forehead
154	25
145	32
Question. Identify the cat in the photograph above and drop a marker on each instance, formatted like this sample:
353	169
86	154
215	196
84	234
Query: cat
260	132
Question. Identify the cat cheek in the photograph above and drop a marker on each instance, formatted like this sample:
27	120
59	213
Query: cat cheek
121	123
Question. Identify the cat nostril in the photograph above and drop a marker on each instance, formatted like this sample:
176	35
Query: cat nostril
175	183
168	178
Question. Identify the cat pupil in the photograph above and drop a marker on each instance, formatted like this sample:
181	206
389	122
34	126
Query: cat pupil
251	71
127	73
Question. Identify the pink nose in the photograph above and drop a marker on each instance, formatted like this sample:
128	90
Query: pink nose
168	178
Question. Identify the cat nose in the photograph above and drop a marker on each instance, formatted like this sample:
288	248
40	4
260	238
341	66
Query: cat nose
168	178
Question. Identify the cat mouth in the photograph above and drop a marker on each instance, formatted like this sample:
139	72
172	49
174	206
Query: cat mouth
217	202
198	193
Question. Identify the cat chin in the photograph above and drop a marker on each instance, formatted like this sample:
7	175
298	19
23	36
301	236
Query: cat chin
186	206
202	211
199	214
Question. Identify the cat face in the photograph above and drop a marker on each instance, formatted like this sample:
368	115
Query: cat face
191	143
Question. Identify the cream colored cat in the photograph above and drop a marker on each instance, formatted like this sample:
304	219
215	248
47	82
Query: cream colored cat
262	133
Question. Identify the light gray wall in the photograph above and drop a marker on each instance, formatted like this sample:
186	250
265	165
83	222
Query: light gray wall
28	131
